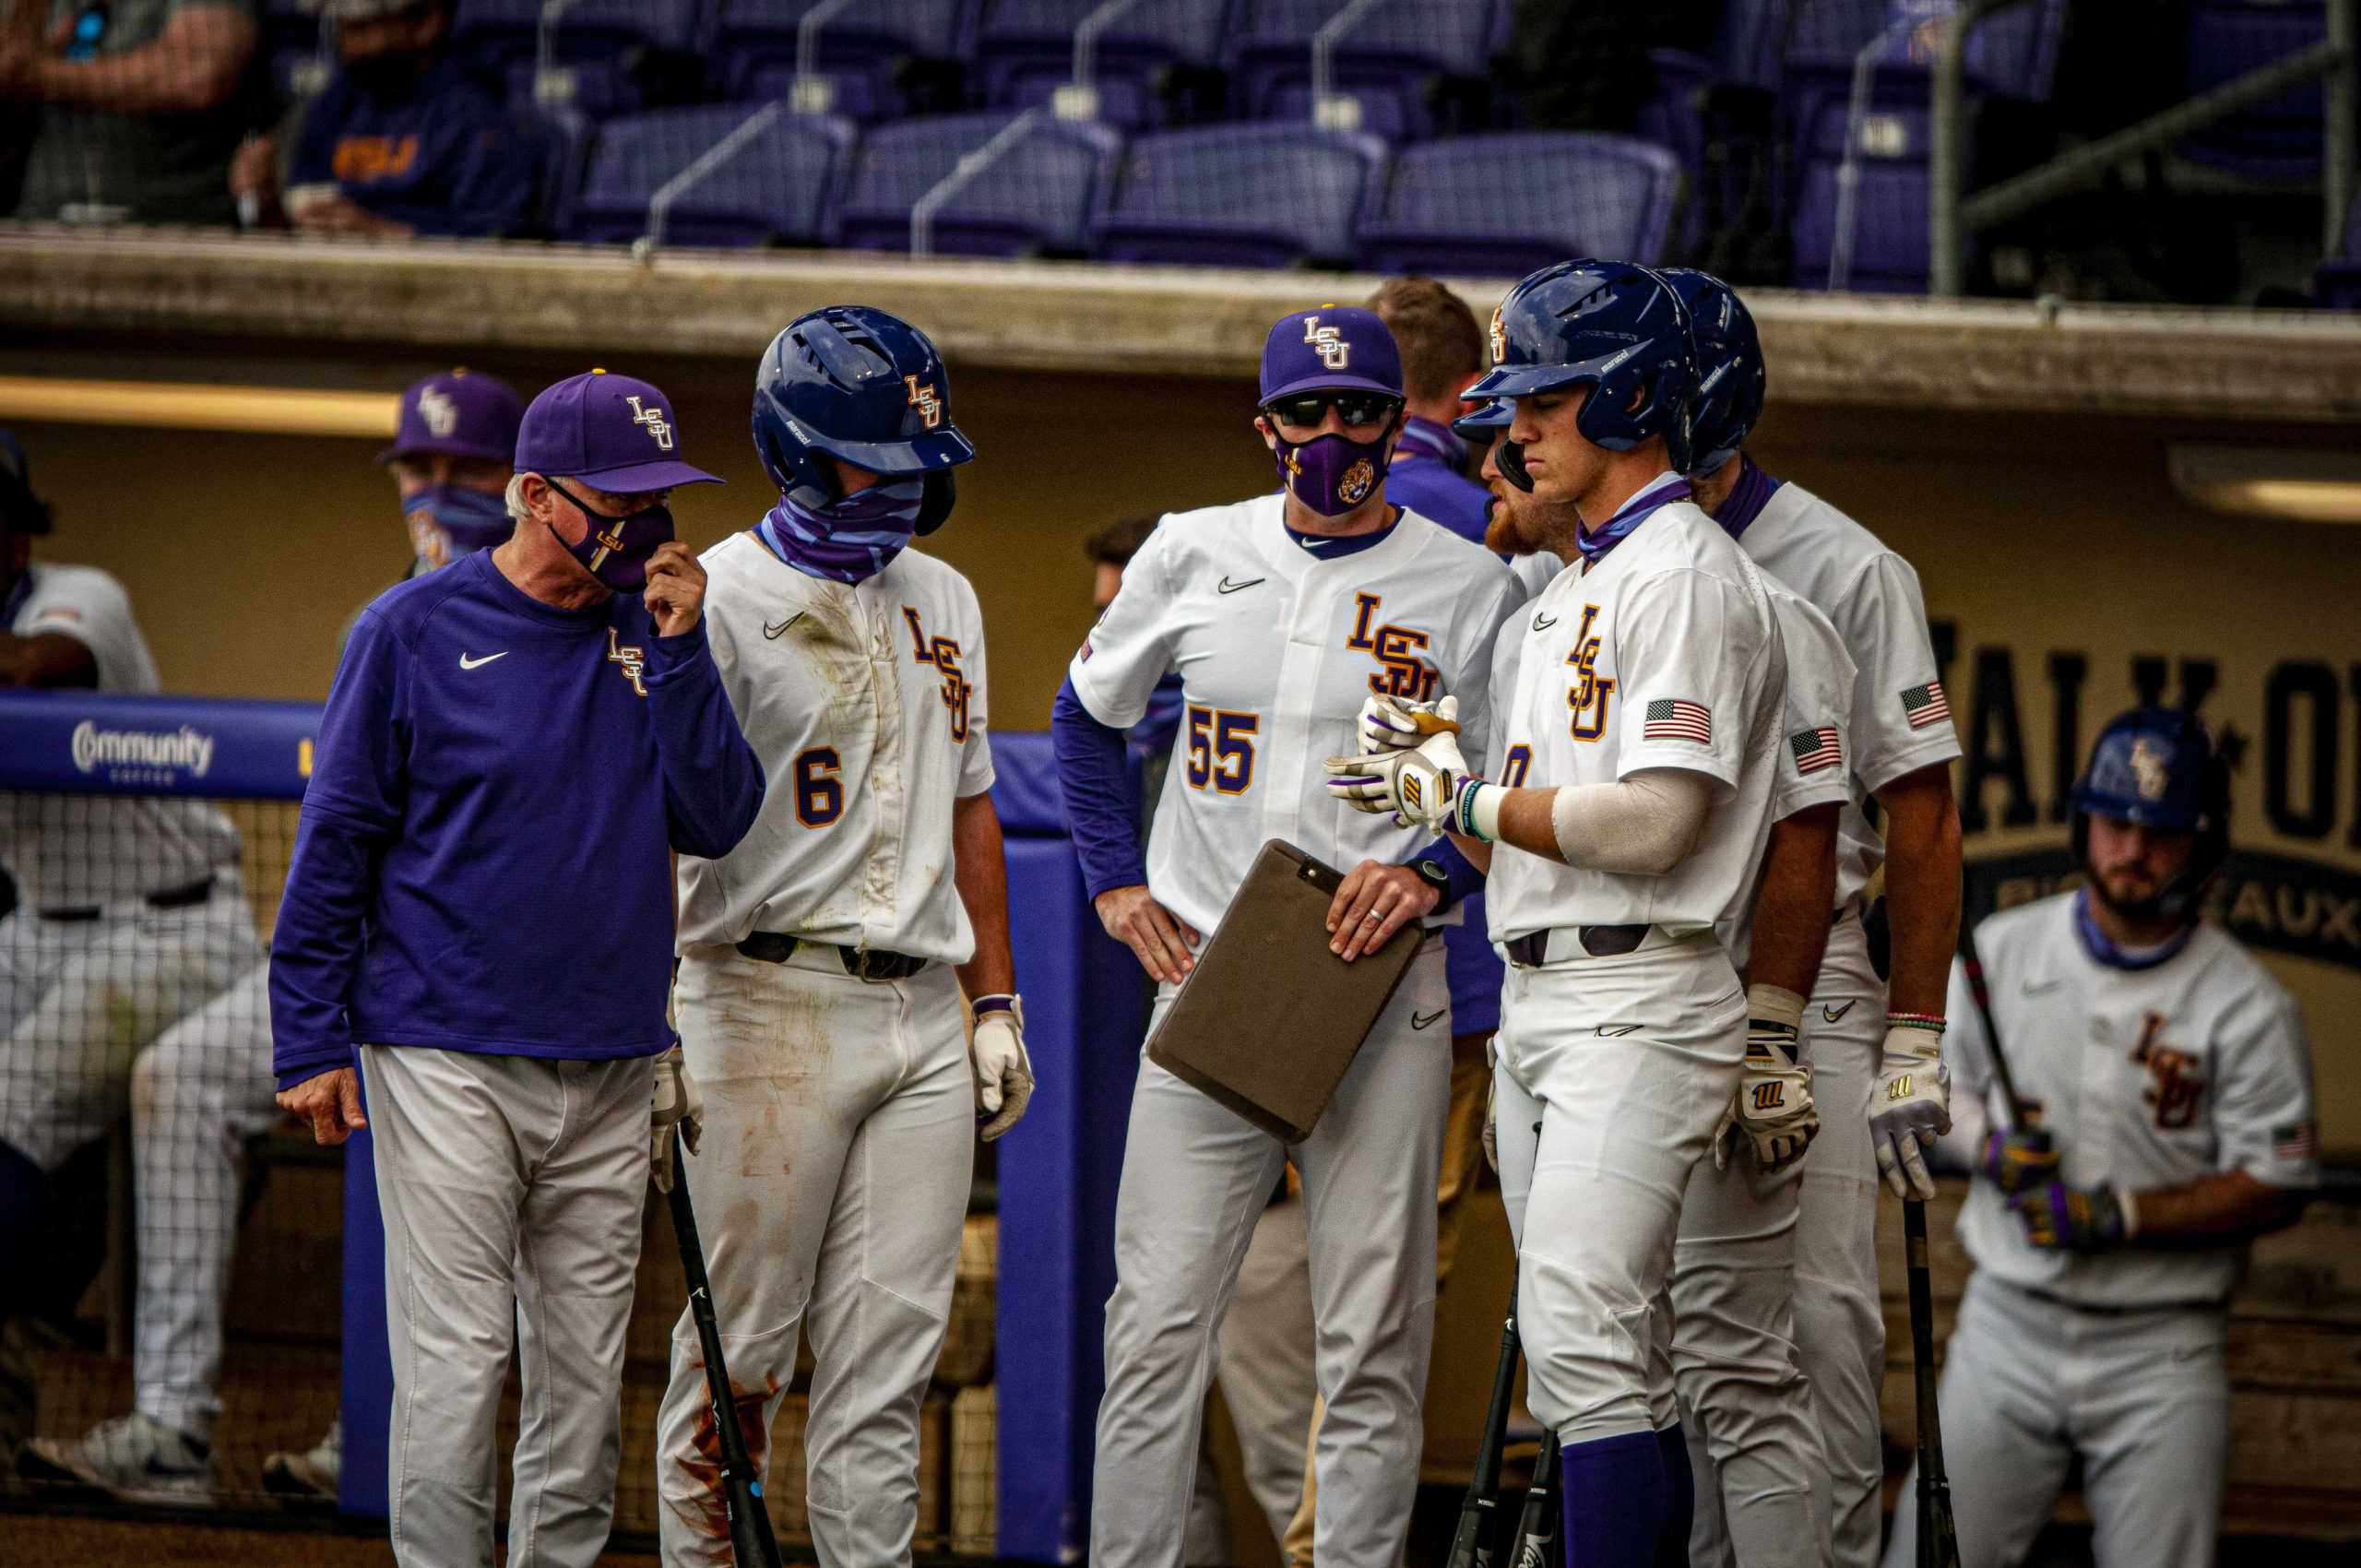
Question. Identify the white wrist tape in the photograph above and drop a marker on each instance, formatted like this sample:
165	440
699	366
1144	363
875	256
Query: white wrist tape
1480	812
1776	1005
1642	825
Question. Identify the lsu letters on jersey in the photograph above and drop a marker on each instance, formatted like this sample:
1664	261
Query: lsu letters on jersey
1818	704
865	703
1901	719
2146	1078
86	851
1276	648
1665	654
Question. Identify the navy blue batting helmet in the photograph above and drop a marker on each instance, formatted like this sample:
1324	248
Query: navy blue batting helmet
1486	419
1731	379
2157	767
1615	325
866	389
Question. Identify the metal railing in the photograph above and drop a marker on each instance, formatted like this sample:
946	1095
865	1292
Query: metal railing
971	163
1955	215
659	206
1078	100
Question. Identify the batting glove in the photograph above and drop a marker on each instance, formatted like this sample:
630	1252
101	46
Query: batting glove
1003	1072
1418	786
1389	724
2019	1160
2059	1218
1773	1106
1911	1107
678	1102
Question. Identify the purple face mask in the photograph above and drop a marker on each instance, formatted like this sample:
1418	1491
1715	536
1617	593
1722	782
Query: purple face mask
615	550
852	539
1333	474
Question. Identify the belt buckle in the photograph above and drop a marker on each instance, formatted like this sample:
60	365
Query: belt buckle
865	966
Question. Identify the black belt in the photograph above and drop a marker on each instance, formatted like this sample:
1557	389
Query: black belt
1532	950
861	963
2111	1308
197	892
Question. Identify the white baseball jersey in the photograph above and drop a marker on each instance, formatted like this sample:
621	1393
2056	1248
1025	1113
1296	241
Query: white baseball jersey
1665	654
75	851
1901	721
2146	1078
1276	648
1817	704
865	703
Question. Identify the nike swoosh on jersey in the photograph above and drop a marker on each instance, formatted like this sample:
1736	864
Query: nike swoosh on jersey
1226	585
1419	1022
1543	623
467	663
773	633
1617	1031
1833	1014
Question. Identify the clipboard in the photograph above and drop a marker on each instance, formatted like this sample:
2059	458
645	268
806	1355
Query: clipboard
1270	1020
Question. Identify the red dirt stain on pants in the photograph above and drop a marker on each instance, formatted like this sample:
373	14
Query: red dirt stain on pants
704	1465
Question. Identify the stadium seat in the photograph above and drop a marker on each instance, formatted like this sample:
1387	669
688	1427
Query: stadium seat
2276	140
881	58
605	55
2337	284
1037	195
1396	60
775	188
1239	196
1149	66
1889	218
1498	206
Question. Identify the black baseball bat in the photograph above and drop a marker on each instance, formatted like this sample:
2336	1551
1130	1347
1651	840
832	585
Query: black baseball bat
1471	1546
1537	1525
752	1544
1982	995
1937	1536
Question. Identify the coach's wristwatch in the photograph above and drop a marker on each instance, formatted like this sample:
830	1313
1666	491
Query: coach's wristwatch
1430	870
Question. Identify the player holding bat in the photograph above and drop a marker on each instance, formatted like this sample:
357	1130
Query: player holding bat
2163	1120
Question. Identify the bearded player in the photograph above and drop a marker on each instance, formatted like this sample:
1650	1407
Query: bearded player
2165	1121
1281	615
824	959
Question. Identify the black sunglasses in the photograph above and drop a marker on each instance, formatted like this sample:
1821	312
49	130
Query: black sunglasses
1357	410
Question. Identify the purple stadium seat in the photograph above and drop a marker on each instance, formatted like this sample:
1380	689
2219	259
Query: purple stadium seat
1239	196
1036	196
1391	60
1501	206
867	52
2279	138
1888	252
593	49
1024	52
778	189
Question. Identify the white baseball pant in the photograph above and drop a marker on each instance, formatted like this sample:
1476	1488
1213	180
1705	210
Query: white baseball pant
512	1189
1195	1179
1839	1326
1266	1353
1625	1063
2143	1397
839	1144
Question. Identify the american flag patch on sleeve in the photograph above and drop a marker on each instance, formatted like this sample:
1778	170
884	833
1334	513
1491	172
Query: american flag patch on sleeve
1924	705
1677	719
1816	749
2298	1140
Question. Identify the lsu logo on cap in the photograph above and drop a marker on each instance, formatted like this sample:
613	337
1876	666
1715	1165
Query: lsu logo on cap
441	414
1333	350
1354	486
657	425
925	401
1500	338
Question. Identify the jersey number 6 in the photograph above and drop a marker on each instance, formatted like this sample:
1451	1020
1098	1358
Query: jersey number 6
1221	749
819	794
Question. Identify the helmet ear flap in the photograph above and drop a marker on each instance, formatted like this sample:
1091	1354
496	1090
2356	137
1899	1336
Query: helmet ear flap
794	466
942	493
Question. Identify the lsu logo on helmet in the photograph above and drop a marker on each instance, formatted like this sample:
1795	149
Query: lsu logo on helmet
1500	336
1333	351
2150	775
925	401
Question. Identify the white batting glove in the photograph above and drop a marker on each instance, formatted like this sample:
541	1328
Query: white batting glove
1911	1109
1003	1072
677	1102
1389	724
1416	786
1773	1105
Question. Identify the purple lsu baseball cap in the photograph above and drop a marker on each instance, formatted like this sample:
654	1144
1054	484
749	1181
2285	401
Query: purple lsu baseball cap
1328	349
613	431
463	414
